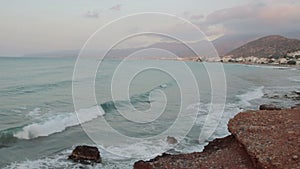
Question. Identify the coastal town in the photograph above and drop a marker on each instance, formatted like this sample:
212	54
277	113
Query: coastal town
292	58
270	50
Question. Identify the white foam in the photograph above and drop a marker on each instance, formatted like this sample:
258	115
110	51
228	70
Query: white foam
230	110
40	163
145	149
56	161
295	79
270	66
60	161
19	110
16	110
35	112
58	123
251	95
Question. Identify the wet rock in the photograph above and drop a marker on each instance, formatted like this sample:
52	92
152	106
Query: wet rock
86	155
142	165
291	95
294	95
297	92
171	140
268	107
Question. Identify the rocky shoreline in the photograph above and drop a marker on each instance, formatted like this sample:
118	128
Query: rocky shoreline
259	139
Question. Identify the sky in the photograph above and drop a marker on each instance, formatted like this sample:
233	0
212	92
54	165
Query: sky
34	26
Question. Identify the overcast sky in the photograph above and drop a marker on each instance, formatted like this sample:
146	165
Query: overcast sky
33	26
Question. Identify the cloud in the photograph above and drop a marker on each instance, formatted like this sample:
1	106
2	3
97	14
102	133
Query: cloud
116	7
260	16
281	13
267	12
193	16
234	13
92	14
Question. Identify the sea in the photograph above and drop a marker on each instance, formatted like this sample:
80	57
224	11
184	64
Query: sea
130	110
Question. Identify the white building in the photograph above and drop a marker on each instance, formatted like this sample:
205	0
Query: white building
282	61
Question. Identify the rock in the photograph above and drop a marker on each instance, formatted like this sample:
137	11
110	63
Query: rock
142	165
269	147
220	153
268	107
86	155
294	95
297	92
291	95
171	140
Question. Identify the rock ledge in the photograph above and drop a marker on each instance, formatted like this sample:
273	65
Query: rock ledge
259	139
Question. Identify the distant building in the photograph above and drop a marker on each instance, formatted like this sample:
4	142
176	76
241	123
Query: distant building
282	61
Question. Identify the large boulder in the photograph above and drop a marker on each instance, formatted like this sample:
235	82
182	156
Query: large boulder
86	155
268	107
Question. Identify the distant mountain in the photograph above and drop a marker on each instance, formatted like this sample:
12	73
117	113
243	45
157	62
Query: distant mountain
178	49
273	46
227	43
223	45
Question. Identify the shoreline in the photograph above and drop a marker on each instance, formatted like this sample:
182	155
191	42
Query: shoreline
259	139
270	65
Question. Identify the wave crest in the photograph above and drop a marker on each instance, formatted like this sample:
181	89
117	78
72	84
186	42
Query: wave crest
58	123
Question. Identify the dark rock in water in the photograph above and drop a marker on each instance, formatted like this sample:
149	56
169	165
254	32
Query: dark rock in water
86	155
291	95
294	95
297	92
268	107
171	140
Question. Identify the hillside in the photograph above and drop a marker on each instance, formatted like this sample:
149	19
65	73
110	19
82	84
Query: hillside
227	43
273	46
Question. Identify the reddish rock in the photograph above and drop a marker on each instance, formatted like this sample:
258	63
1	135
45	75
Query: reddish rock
86	155
271	138
220	153
142	165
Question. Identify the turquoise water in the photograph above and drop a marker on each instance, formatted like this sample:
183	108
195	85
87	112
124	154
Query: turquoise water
39	126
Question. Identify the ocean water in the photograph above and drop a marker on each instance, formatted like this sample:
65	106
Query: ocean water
40	125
